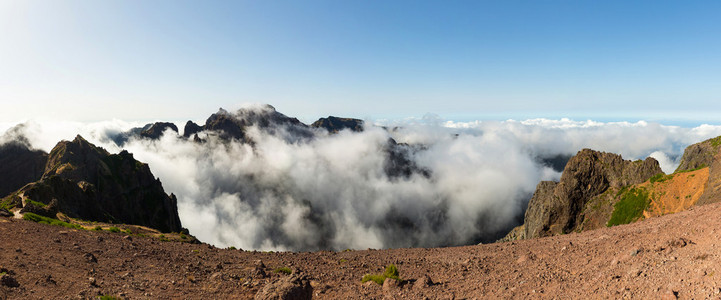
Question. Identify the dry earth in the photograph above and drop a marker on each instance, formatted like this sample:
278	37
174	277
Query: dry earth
676	255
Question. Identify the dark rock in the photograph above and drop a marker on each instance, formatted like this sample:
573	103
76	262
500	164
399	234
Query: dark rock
399	162
296	287
156	130
5	213
19	163
151	131
90	257
234	125
91	184
334	124
557	208
8	281
191	129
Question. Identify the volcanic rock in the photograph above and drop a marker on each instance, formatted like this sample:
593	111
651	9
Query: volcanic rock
335	124
556	208
296	287
19	164
91	184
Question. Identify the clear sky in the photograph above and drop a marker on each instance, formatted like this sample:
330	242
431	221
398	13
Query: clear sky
174	60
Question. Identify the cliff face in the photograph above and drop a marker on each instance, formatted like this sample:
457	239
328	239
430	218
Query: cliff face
702	155
87	182
557	208
335	124
19	165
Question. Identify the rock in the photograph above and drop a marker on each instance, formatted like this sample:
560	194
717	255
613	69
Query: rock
92	281
5	213
557	208
289	287
233	125
90	257
701	155
191	129
334	124
391	284
19	163
422	282
156	130
8	281
91	184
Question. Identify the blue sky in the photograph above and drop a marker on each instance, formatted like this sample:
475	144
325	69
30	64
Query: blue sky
462	60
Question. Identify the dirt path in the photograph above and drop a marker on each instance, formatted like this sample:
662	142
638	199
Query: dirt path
676	255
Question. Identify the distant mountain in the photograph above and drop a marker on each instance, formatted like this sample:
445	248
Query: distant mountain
335	124
86	182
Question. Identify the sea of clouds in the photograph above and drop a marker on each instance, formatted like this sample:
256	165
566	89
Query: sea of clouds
331	192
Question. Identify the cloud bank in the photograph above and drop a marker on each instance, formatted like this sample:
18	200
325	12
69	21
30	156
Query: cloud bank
331	191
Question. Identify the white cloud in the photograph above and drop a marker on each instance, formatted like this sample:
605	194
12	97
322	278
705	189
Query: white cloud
333	192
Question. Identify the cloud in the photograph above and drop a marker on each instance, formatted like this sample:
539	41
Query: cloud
332	191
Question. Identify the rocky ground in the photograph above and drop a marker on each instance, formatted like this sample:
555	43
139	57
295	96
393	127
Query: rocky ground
671	256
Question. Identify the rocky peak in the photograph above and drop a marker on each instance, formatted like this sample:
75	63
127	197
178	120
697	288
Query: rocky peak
155	130
335	124
234	125
76	160
89	183
700	154
191	129
556	208
19	165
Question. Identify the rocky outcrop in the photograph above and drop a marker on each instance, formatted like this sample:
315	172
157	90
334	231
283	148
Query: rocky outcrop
151	131
399	162
191	129
296	287
156	130
90	184
19	165
701	155
557	208
334	124
234	125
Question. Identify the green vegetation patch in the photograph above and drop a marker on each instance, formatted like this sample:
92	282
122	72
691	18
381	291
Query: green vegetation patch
45	220
36	203
632	204
660	177
114	229
716	142
391	272
284	270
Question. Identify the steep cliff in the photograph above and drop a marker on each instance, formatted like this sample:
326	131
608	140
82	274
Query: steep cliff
702	155
335	124
557	208
19	165
87	182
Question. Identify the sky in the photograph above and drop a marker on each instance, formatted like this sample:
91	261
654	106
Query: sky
83	60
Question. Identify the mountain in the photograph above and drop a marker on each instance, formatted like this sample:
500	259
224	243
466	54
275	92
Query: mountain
335	124
598	189
85	182
558	207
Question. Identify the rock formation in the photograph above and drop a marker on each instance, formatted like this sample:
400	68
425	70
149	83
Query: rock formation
335	124
557	207
86	182
702	155
19	165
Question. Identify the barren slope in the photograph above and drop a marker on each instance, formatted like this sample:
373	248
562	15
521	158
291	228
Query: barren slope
676	254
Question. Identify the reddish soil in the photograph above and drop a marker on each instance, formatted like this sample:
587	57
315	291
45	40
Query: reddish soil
676	255
676	194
